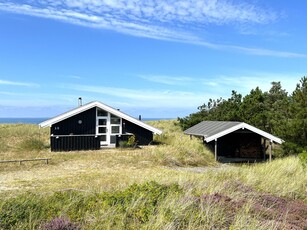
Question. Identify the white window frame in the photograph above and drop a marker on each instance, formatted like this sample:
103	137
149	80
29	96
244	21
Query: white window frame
108	127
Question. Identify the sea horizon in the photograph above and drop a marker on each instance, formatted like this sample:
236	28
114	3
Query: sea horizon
37	120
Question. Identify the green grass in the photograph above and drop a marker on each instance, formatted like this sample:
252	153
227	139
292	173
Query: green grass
173	185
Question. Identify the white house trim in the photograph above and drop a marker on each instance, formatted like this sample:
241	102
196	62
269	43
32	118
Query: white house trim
102	106
244	126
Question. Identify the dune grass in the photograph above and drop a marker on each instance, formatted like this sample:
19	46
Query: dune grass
173	185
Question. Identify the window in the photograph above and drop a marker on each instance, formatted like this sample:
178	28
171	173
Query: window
115	120
102	129
108	126
102	122
115	129
113	139
101	113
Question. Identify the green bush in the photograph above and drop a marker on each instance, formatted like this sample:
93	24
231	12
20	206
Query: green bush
17	210
135	205
130	142
303	159
290	148
140	201
33	144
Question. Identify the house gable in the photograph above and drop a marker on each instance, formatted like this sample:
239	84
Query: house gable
103	107
95	125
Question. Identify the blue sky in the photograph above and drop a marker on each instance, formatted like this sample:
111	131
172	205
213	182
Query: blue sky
157	58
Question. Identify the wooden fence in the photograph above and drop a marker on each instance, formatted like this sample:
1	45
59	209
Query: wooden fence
24	160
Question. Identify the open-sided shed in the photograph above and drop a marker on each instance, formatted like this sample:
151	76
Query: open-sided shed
235	141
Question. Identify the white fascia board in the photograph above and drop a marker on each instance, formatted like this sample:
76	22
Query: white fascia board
223	133
245	126
264	134
66	115
104	107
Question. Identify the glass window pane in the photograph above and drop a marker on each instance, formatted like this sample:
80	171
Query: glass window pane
115	129
102	130
115	120
103	138
101	113
113	139
102	122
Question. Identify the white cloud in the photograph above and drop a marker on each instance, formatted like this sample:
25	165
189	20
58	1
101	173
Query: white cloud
14	83
37	99
117	23
168	80
146	98
200	11
223	84
9	93
163	11
75	77
157	19
267	52
248	50
203	90
244	83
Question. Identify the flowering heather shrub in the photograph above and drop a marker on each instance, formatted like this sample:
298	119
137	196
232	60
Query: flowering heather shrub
61	223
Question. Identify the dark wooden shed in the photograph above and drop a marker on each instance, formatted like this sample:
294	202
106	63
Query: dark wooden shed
233	141
95	125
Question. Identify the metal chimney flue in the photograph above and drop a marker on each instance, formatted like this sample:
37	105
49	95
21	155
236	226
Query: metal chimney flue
80	101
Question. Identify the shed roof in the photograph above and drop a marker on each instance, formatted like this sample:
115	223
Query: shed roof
212	130
102	106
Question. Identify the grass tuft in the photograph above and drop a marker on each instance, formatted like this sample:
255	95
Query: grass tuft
177	149
33	144
303	159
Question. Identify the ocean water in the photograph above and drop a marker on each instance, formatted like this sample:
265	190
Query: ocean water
37	120
22	120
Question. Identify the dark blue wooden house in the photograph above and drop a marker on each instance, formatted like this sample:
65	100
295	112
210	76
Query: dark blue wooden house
95	125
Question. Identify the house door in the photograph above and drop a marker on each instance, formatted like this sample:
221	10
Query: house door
103	124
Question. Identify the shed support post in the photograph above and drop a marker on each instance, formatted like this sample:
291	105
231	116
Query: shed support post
215	149
264	148
270	150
